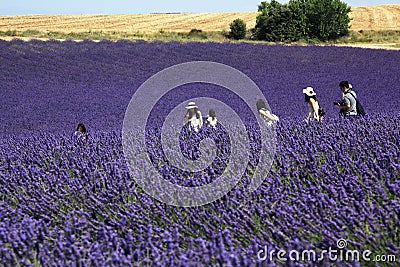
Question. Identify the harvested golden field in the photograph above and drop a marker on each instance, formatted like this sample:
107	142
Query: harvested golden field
384	17
145	23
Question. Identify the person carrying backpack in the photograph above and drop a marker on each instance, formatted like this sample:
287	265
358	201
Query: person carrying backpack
349	106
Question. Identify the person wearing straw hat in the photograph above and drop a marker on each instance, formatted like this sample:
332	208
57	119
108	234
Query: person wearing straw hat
265	113
211	118
312	104
193	117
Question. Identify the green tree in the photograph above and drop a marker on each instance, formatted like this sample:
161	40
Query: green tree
326	19
238	29
298	9
315	19
277	22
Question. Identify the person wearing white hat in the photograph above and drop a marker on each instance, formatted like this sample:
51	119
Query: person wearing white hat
193	117
265	113
312	104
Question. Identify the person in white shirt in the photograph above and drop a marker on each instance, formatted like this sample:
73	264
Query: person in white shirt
211	118
312	104
348	105
193	117
265	113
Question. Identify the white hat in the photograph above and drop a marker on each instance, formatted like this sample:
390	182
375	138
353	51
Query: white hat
309	91
350	86
191	105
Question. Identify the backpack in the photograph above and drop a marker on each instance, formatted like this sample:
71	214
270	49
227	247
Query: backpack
359	108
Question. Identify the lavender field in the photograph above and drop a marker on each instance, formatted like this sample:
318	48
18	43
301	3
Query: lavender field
64	202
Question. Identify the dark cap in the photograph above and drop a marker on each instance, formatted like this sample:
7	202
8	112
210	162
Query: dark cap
260	104
344	84
211	113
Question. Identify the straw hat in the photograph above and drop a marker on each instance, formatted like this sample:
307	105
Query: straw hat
309	91
191	105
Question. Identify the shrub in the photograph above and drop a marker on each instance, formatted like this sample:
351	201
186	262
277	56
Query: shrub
238	29
30	33
10	33
197	34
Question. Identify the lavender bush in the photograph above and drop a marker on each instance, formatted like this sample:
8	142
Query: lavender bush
64	202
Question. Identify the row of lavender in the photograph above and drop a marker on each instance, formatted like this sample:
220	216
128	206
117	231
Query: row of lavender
52	85
74	204
64	202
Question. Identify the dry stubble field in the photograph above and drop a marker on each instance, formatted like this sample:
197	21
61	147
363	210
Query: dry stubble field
384	17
